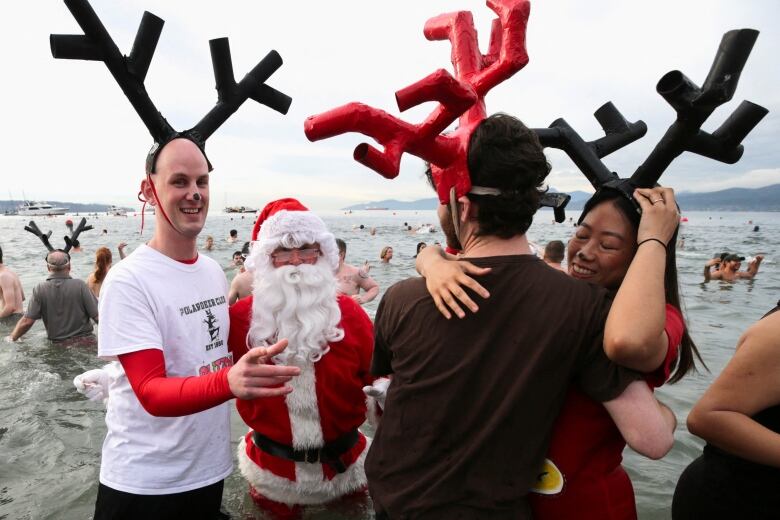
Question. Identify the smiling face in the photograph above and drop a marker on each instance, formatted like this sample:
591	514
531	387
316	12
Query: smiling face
182	185
602	247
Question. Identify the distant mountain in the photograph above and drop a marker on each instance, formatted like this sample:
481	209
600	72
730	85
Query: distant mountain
732	199
73	207
422	204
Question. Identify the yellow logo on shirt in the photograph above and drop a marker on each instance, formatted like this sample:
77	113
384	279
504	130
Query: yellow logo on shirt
549	480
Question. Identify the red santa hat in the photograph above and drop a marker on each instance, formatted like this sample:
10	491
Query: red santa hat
288	223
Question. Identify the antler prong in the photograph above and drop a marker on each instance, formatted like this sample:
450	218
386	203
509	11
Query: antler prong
694	105
129	74
33	228
70	240
144	45
587	155
232	94
74	47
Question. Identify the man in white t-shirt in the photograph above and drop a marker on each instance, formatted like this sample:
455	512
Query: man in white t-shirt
164	316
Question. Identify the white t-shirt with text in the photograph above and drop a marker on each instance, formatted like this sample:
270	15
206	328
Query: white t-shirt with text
150	301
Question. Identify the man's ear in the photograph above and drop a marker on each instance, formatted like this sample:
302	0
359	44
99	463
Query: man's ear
466	209
147	192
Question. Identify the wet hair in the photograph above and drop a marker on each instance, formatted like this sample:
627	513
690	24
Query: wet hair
383	252
237	253
245	249
421	246
688	351
103	260
233	233
342	246
503	153
554	250
1	255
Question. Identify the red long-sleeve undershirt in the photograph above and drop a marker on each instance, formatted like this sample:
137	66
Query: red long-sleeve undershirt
164	396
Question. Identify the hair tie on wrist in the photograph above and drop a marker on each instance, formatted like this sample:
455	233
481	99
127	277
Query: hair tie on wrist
651	240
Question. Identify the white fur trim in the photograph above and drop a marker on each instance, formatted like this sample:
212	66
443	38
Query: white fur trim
303	410
306	490
295	228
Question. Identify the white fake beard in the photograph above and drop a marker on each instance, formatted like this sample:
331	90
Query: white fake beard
297	303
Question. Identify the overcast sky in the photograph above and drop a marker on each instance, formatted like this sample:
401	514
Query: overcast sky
70	134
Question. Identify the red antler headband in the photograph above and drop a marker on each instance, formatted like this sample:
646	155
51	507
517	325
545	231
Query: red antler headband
462	96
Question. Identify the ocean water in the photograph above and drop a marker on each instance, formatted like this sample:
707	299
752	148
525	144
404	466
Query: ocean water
51	436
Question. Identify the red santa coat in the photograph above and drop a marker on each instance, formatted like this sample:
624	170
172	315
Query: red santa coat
327	402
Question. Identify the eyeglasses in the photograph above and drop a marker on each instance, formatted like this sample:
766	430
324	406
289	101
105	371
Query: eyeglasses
304	255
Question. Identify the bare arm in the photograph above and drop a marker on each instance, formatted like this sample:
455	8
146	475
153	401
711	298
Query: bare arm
121	248
708	274
240	286
444	279
752	269
22	326
8	287
634	332
749	384
233	292
368	284
646	425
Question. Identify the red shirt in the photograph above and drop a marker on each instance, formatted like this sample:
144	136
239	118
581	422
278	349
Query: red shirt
587	449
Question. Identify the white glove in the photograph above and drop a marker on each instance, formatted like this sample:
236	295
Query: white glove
93	384
378	391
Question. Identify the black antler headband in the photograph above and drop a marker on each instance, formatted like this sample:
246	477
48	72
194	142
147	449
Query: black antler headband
129	72
693	106
71	240
33	228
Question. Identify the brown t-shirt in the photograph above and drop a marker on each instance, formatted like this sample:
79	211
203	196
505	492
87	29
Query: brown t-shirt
472	401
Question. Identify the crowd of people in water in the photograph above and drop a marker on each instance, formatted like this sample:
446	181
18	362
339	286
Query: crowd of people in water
644	344
502	383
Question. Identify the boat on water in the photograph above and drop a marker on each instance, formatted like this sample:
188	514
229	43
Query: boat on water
116	211
374	208
30	209
239	209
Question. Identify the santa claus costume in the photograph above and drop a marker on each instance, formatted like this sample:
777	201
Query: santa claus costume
303	448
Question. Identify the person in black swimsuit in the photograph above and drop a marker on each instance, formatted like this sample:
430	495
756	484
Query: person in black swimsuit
738	473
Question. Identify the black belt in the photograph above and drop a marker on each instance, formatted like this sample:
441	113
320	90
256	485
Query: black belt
329	454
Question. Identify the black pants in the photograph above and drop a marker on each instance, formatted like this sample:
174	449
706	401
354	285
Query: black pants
203	503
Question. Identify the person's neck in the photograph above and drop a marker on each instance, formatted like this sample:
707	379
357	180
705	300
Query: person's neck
174	245
486	246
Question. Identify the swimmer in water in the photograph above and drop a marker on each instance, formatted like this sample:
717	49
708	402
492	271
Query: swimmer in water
11	295
351	279
729	268
386	254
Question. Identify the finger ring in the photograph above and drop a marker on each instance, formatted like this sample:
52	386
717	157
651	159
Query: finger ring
656	200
